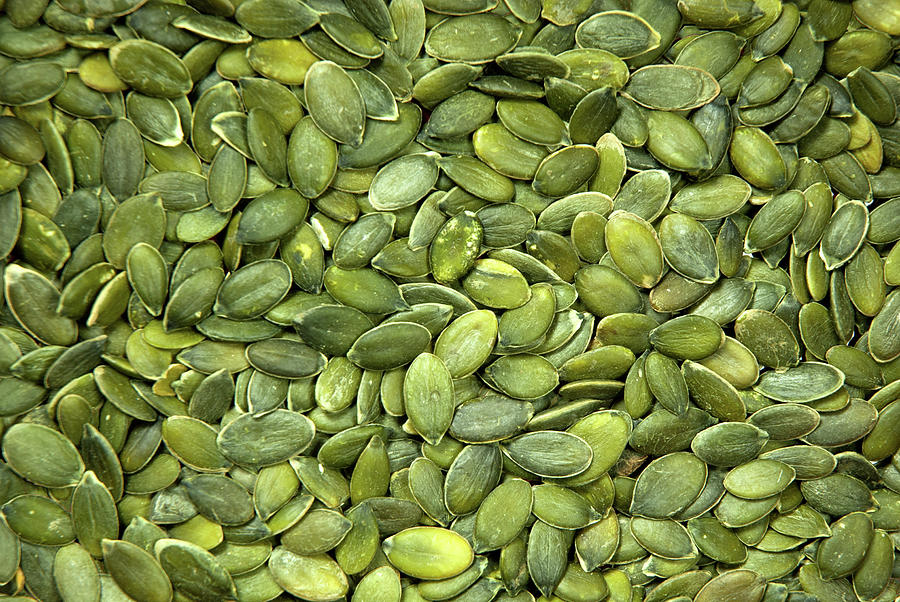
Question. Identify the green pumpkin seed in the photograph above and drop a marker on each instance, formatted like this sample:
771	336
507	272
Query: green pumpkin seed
550	454
42	455
326	81
841	238
635	248
428	397
577	163
768	337
759	479
39	520
193	442
428	552
871	575
451	41
681	147
265	440
477	178
135	571
785	422
148	276
623	33
512	499
546	555
646	84
562	508
312	577
133	59
389	346
75	574
489	418
818	380
841	552
664	538
854	495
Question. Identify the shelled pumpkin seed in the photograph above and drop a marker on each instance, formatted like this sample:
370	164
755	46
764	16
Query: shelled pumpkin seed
450	300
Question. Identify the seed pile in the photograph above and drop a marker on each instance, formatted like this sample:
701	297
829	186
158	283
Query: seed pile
450	300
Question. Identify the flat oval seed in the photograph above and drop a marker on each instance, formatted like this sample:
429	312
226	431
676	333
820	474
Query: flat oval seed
768	337
786	421
426	485
271	216
285	358
460	114
253	290
689	248
452	40
428	397
657	495
76	574
729	443
135	571
150	68
511	500
138	219
549	453
192	569
622	33
403	182
334	103
562	508
778	218
532	121
317	578
30	297
39	520
473	473
663	538
739	584
635	247
428	552
671	87
505	153
312	158
844	234
687	337
759	479
193	442
712	392
806	382
506	374
267	439
148	276
495	283
490	418
846	425
267	144
30	82
690	154
389	346
455	247
42	455
845	549
477	178
757	159
871	577
382	294
467	342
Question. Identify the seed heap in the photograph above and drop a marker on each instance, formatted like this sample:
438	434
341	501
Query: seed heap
450	300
